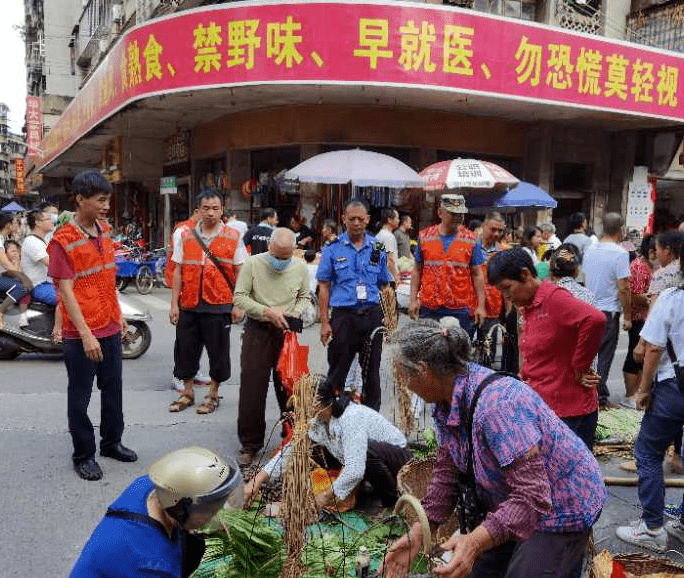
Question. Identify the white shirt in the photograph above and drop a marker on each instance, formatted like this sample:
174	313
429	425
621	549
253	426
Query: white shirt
346	438
389	240
604	264
666	319
33	251
2	250
239	226
313	282
177	256
531	253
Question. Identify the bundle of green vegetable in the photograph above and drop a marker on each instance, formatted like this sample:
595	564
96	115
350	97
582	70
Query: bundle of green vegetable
619	425
239	544
332	553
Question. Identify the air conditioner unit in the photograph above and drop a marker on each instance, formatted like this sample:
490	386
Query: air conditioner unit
117	12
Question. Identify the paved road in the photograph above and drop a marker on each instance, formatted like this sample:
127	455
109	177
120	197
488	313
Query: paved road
47	512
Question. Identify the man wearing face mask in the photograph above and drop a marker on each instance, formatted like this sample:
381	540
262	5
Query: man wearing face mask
273	290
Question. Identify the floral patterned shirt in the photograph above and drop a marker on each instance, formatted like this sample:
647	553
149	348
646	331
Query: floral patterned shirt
510	419
664	278
639	282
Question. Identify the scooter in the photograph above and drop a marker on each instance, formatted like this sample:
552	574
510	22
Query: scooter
36	337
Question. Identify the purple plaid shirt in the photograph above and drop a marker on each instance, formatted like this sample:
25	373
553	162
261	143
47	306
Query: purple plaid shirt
510	419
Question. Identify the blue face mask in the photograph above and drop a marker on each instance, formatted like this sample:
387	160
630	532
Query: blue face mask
278	264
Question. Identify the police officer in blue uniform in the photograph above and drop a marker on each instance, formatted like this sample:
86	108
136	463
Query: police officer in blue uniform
351	273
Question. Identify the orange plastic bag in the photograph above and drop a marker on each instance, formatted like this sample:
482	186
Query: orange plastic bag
293	361
322	479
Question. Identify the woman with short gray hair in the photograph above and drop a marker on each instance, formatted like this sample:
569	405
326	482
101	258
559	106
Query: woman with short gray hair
538	488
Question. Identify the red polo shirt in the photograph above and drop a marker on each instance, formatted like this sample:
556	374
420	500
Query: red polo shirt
560	338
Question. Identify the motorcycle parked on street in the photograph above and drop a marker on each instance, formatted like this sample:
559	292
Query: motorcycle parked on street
36	337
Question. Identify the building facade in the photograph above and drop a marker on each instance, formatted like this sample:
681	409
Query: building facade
12	149
561	93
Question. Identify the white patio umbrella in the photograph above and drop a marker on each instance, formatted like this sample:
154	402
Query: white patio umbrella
359	167
467	174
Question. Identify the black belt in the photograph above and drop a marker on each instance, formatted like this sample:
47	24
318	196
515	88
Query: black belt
359	310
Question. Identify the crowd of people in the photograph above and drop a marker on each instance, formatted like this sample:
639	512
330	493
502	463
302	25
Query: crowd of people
522	440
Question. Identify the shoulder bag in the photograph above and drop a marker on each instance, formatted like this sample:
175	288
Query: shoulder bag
471	510
214	260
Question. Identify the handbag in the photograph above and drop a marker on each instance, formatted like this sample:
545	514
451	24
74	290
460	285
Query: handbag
214	260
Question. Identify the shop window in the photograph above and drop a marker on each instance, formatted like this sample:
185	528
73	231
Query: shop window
525	9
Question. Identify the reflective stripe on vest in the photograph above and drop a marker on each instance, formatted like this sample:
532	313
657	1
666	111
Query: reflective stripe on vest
446	280
200	275
94	275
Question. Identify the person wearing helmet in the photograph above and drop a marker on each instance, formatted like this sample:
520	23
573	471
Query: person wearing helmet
146	530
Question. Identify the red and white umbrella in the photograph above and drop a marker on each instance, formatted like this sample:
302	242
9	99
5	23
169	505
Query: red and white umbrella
467	174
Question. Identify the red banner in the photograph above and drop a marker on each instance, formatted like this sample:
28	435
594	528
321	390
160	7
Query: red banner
34	126
20	172
429	46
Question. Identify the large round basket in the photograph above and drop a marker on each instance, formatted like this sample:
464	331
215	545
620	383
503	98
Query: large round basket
413	480
639	564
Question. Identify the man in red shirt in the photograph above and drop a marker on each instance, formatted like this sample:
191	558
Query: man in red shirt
561	335
82	266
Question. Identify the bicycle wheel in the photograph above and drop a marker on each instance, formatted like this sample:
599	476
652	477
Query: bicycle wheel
144	279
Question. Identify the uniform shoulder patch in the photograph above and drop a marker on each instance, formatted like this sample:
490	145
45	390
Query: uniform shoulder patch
331	241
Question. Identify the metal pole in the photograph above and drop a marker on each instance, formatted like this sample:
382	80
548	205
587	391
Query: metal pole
167	220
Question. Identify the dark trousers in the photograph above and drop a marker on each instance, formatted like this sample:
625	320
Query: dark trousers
547	554
383	462
585	427
82	372
351	334
463	316
607	352
261	347
211	330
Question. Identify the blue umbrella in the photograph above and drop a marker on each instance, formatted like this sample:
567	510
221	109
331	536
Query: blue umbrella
13	207
522	196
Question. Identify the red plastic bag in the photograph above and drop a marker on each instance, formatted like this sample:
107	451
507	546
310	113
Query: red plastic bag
293	361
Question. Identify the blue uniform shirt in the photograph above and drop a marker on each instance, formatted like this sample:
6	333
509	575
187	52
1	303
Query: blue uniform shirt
347	267
130	549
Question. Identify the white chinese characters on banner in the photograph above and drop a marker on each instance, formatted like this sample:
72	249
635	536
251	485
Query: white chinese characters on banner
34	125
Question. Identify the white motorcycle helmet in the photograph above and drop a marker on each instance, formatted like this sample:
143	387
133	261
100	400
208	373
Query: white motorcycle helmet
192	479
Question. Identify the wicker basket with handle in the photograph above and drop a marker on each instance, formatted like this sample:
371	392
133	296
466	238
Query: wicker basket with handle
413	480
639	564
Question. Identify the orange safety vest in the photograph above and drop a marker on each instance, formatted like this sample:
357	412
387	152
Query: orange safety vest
170	265
493	297
446	280
200	276
95	275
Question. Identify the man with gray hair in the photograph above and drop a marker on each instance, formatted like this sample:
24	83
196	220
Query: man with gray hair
273	291
606	265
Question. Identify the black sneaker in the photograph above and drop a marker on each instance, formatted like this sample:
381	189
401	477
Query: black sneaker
88	470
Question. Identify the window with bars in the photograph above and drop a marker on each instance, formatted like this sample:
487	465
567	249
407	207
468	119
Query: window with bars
660	26
524	9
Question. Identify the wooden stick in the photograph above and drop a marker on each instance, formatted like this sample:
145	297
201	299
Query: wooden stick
631	481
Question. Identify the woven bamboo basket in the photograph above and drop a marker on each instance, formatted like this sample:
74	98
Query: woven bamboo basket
413	480
639	564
